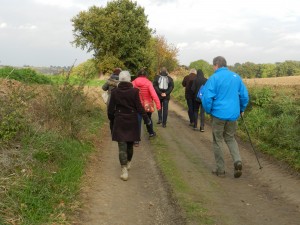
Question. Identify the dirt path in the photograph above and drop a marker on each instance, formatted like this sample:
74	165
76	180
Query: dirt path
264	197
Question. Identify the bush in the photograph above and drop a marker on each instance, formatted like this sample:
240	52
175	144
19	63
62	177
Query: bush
273	119
13	111
26	75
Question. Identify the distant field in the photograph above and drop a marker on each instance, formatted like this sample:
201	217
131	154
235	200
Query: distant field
274	81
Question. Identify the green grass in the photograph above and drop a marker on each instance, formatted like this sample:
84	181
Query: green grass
43	189
194	210
75	80
25	75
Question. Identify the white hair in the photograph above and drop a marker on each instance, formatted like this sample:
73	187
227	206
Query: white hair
194	71
124	76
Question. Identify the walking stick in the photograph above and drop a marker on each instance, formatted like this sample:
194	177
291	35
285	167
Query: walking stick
260	167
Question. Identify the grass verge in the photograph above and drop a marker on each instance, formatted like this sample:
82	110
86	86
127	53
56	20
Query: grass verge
43	188
194	210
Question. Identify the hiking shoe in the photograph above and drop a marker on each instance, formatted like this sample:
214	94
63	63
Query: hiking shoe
124	173
152	135
136	143
195	128
159	122
128	165
218	173
201	129
237	169
164	125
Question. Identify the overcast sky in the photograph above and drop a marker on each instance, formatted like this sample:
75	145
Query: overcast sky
39	32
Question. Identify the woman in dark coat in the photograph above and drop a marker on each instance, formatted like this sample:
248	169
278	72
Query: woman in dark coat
123	110
197	83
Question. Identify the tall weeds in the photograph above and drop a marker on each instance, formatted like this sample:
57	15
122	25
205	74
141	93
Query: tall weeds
273	117
46	133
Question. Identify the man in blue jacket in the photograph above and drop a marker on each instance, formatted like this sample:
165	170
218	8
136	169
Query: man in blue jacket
225	98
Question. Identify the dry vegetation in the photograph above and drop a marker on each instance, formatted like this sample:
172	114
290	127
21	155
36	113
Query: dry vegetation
274	81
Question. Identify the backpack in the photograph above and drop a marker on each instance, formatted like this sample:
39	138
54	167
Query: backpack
200	94
163	82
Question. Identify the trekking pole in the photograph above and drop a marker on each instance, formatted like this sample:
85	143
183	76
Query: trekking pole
260	167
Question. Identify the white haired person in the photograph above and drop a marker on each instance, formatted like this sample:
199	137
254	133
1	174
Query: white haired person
123	110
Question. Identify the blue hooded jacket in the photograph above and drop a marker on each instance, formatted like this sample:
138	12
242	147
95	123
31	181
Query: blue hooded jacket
225	95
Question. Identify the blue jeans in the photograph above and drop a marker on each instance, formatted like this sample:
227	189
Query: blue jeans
149	127
224	130
163	113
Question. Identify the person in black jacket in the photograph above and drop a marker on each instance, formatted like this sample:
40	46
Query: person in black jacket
163	85
189	95
197	83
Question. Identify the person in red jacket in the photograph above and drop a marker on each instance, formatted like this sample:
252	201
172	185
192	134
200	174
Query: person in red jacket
147	95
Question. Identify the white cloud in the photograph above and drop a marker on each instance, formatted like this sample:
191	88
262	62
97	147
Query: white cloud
67	4
27	27
217	44
255	30
3	25
182	45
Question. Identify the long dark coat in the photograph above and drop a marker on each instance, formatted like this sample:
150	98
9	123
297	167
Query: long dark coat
123	110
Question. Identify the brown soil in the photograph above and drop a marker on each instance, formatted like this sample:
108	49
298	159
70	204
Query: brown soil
270	196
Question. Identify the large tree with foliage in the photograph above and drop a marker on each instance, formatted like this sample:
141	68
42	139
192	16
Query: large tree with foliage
204	66
164	54
118	34
86	70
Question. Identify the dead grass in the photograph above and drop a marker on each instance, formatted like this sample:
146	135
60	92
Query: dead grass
274	81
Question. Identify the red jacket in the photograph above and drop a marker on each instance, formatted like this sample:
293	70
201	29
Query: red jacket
147	92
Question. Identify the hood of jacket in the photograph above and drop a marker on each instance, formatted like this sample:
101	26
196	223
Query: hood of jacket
140	82
163	73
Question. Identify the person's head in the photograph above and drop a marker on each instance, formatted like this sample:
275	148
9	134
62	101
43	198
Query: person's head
200	73
219	62
117	71
193	71
164	71
142	73
124	76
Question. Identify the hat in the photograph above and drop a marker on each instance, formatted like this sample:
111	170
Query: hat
124	76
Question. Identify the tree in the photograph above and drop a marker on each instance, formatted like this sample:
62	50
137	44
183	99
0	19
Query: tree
86	70
288	68
204	66
118	34
248	70
164	54
268	70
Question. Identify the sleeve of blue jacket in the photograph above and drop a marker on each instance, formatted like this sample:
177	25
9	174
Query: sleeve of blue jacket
244	97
